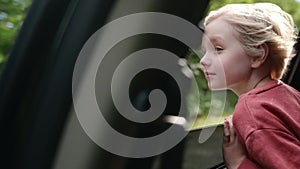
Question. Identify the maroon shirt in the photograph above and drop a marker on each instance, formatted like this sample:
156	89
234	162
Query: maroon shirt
267	121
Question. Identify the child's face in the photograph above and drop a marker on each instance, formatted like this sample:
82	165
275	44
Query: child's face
225	63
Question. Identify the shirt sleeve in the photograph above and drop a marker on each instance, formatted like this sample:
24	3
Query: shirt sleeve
273	149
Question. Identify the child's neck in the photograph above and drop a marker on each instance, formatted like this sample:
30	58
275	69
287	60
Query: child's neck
256	82
262	81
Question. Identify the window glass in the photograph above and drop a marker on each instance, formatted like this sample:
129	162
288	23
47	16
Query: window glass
205	100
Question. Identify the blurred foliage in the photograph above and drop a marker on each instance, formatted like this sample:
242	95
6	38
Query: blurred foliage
12	13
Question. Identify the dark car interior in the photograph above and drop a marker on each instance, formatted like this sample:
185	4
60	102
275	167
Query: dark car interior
38	124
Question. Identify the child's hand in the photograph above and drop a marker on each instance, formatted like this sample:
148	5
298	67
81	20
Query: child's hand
233	151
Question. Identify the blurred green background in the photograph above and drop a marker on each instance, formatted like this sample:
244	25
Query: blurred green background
12	14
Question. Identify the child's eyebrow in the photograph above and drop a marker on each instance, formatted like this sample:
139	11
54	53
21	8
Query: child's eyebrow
216	39
212	39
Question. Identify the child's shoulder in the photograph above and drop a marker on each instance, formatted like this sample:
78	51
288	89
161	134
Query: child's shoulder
272	106
272	91
273	100
274	95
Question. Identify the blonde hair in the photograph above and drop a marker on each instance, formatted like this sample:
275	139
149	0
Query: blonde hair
261	23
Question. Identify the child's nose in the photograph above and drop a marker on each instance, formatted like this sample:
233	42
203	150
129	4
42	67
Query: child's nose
205	61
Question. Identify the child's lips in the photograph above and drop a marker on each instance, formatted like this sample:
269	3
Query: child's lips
208	74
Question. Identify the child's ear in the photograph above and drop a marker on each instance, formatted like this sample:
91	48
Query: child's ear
261	57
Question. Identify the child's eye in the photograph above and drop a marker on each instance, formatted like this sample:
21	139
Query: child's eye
218	49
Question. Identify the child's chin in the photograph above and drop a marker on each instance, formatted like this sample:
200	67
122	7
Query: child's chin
216	88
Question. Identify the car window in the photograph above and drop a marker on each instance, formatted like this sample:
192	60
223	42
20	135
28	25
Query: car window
206	97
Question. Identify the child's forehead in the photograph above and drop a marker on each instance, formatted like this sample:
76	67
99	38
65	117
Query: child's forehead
218	25
220	30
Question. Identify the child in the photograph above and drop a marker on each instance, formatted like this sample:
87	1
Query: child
253	44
